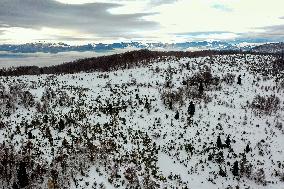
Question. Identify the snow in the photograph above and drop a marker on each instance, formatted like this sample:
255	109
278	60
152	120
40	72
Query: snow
227	113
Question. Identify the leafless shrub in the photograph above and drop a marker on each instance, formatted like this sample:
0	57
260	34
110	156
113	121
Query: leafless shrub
229	78
281	176
63	99
281	84
279	125
48	94
131	175
193	93
43	107
266	105
204	75
19	170
7	102
171	98
147	182
246	168
27	99
17	89
259	177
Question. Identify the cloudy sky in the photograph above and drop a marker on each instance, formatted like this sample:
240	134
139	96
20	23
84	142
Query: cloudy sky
85	21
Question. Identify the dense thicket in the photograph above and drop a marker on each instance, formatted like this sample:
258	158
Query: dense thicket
106	63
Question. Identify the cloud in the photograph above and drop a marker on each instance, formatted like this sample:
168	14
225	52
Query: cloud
235	17
152	2
125	20
93	18
200	33
275	32
222	7
209	35
161	2
263	34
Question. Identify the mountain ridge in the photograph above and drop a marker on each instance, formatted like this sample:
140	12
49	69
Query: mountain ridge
124	60
103	47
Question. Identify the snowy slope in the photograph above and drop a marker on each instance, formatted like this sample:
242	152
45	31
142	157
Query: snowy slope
118	129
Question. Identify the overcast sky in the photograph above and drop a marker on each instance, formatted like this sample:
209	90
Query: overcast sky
87	21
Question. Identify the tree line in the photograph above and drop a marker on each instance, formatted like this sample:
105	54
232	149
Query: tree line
111	62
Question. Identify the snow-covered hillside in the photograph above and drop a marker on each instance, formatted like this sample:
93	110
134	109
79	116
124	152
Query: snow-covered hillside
269	48
210	122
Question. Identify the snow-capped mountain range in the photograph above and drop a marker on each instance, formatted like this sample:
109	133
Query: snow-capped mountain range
101	47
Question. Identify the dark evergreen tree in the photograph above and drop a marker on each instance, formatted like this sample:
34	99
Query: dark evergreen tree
236	168
239	80
61	125
23	179
54	176
228	142
187	65
219	142
201	88
168	83
191	109
15	186
210	157
30	135
247	148
110	108
147	106
177	115
171	104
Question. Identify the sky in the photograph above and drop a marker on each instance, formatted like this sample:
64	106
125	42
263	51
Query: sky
168	21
